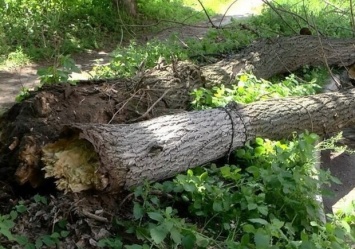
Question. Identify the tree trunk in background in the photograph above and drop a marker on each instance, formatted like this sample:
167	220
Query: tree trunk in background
129	5
163	147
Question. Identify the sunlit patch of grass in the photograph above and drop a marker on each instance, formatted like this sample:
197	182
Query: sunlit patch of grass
15	59
211	5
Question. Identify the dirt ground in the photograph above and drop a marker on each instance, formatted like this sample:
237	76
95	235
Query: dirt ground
13	79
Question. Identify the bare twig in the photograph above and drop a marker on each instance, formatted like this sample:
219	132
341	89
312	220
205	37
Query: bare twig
94	216
124	104
151	107
208	16
339	10
298	16
277	12
225	13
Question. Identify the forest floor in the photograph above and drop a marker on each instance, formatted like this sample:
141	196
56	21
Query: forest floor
12	79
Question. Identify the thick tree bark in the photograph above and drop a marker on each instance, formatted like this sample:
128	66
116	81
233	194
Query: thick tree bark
283	55
162	147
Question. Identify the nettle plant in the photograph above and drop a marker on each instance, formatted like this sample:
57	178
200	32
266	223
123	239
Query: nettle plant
248	89
264	200
17	240
59	72
264	197
127	61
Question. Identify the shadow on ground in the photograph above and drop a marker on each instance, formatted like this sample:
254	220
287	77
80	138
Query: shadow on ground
341	166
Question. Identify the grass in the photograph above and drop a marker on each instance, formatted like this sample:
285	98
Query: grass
15	59
37	30
333	20
211	5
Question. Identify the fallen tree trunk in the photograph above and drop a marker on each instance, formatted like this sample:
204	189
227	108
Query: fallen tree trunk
162	147
152	93
270	57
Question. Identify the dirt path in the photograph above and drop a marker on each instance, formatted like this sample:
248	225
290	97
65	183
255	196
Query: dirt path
13	79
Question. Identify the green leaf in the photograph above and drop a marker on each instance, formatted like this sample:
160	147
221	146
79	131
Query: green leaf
240	153
138	211
168	225
259	221
188	241
217	206
48	241
245	240
201	241
21	208
40	199
314	224
248	228
336	245
189	187
253	170
13	215
263	210
158	234
276	223
203	176
259	141
259	150
304	236
156	216
168	210
22	240
39	243
64	234
175	235
261	239
335	180
252	206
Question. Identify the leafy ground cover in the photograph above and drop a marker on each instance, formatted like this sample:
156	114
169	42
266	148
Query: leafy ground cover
36	30
263	197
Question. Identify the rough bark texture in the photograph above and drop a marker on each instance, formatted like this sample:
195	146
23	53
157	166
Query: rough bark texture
160	148
283	55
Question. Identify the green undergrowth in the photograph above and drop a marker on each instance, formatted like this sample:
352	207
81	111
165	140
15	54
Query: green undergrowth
20	240
266	199
249	89
326	18
43	30
127	61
